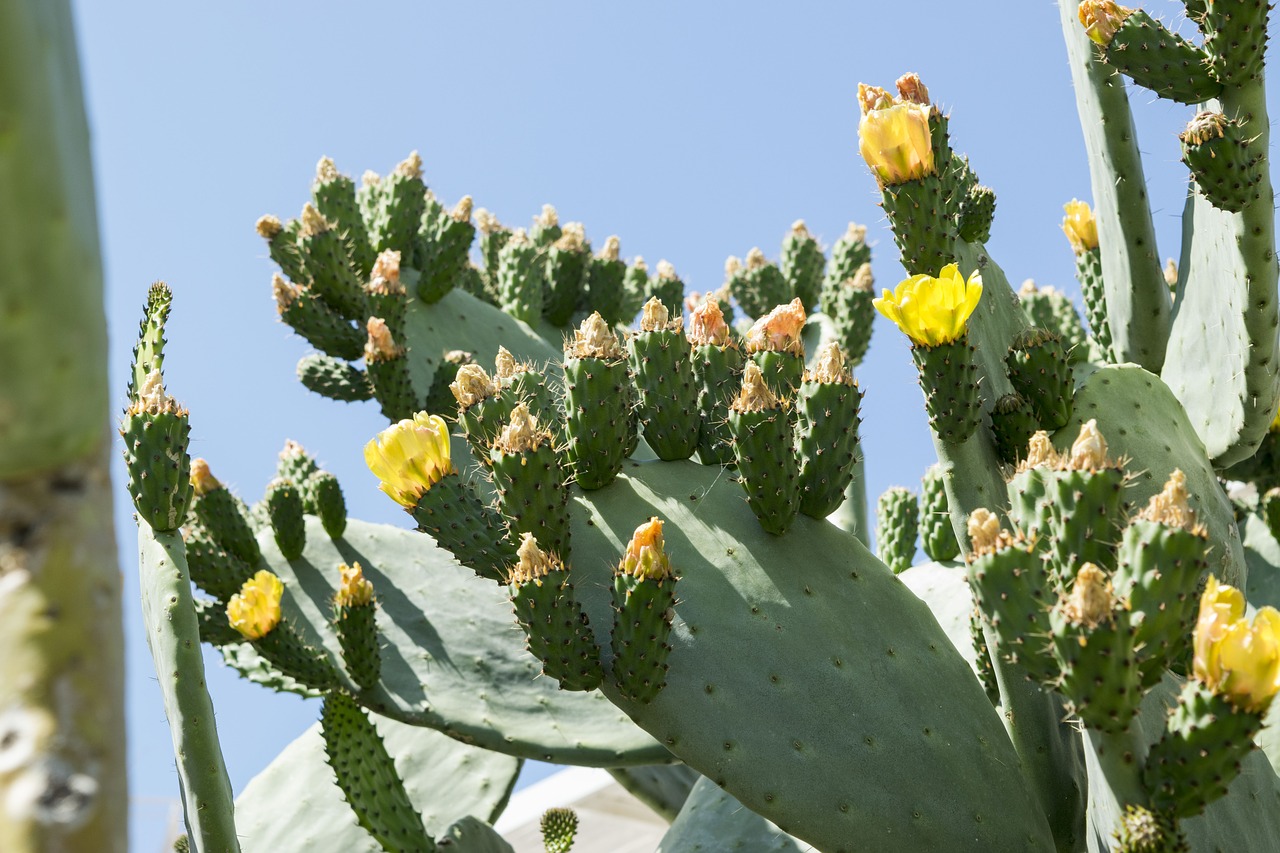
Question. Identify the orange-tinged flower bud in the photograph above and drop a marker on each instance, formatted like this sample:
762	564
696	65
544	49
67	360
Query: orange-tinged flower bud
646	555
932	310
779	330
1101	19
410	457
255	610
707	325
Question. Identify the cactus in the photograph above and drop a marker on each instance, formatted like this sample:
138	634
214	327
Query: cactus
1078	641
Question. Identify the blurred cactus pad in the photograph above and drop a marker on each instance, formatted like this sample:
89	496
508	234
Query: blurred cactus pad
637	535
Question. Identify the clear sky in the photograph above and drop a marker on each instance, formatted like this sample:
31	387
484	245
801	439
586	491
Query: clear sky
691	134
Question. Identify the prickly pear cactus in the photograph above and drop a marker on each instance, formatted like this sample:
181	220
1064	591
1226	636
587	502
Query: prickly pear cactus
630	544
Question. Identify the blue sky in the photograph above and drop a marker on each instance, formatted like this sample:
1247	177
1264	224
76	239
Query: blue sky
690	134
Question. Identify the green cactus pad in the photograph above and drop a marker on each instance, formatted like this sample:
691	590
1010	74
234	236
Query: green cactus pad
283	502
521	280
159	466
664	788
773	595
334	378
1143	423
322	327
1200	753
1160	60
324	255
948	376
557	631
944	587
533	495
802	264
1158	573
936	533
1040	372
1234	822
457	520
768	469
897	524
597	406
718	372
357	631
713	820
295	802
367	777
220	513
826	437
641	627
449	635
667	394
635	288
322	496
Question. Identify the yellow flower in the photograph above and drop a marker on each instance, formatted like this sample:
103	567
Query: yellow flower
932	311
646	556
896	142
1275	427
255	610
1236	660
410	457
355	588
1080	226
1101	19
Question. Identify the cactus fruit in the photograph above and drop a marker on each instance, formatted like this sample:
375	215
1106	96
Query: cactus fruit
936	533
532	483
760	426
1223	162
643	598
826	432
605	289
597	404
220	513
717	368
848	303
521	278
758	285
664	379
1039	371
284	511
568	262
802	264
156	432
1049	308
897	523
667	288
774	343
555	626
354	609
334	378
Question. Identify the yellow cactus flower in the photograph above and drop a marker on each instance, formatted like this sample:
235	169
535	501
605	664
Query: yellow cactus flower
1080	226
646	556
1238	661
896	143
410	457
1101	19
255	610
355	589
932	311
